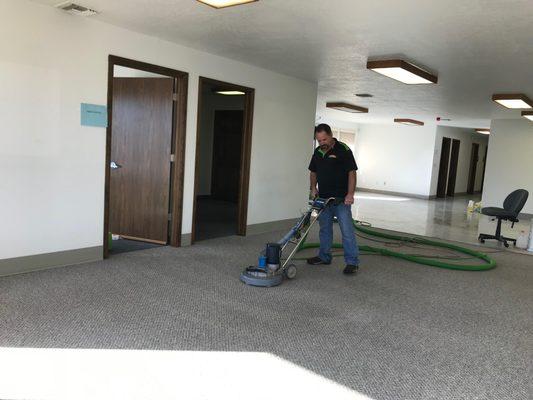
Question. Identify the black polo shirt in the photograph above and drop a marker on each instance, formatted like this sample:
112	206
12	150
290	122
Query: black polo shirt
332	169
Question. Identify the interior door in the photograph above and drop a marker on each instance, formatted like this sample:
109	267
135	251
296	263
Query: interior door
140	158
443	167
474	157
227	153
454	160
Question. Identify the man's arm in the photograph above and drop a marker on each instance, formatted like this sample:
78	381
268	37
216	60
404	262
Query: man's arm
313	182
352	180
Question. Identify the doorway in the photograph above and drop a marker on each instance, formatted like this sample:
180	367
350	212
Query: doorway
454	161
484	167
472	172
449	159
223	146
145	149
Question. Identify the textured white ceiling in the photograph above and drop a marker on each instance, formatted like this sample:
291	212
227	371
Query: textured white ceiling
477	47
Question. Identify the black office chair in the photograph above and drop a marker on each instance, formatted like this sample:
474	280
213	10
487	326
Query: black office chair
512	206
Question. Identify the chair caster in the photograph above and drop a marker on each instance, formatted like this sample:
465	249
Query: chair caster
481	240
506	244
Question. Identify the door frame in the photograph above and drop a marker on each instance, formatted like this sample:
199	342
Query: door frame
244	180
179	119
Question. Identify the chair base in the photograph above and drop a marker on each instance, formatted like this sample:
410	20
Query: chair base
502	239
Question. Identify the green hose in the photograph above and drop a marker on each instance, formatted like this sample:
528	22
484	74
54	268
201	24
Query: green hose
488	263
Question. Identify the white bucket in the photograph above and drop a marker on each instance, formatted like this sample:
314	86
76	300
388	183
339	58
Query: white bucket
530	247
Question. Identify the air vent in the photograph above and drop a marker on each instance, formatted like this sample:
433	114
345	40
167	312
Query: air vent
364	95
76	9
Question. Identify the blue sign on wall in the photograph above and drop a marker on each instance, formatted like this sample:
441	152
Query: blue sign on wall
93	115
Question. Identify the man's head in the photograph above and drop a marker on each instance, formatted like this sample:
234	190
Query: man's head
324	136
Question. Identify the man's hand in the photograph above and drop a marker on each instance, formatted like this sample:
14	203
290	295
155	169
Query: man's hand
314	193
348	200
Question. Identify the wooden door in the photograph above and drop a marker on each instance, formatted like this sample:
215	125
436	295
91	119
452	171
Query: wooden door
227	154
443	167
454	160
140	158
474	157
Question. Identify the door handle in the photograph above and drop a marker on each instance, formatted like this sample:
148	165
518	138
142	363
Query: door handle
114	165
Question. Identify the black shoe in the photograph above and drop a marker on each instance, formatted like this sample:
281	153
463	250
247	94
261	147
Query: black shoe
350	269
317	261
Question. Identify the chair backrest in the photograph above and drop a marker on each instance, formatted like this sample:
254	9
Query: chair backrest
516	201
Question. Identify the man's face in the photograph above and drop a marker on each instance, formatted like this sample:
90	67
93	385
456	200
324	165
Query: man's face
324	140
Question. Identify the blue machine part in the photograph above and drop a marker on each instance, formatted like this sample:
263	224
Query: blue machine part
259	277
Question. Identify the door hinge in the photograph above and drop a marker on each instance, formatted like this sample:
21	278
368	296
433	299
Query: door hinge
172	158
174	97
170	216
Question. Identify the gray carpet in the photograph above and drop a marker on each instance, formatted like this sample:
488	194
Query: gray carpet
395	331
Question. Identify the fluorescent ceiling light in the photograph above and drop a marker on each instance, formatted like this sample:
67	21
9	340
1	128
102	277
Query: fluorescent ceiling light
351	108
528	115
407	121
225	3
515	100
76	9
483	131
402	71
230	92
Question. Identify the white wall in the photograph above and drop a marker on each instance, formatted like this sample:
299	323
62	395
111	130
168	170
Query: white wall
509	161
52	169
124	72
210	103
467	136
395	158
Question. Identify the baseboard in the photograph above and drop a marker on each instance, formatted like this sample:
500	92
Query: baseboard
390	193
20	265
186	239
264	227
525	216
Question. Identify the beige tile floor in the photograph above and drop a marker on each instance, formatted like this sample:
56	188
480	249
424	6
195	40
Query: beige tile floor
440	218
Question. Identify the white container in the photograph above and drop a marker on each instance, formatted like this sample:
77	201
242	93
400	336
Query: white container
522	240
530	247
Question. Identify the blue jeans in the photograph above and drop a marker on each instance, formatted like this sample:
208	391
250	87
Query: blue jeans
343	212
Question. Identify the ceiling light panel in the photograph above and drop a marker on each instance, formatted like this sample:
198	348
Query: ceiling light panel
528	115
402	71
230	92
407	121
225	3
483	131
351	108
515	100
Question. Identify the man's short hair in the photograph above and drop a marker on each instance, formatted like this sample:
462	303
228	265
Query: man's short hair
323	128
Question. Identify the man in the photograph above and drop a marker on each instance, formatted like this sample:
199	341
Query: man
333	168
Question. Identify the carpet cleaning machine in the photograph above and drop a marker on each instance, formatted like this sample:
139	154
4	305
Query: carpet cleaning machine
270	270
